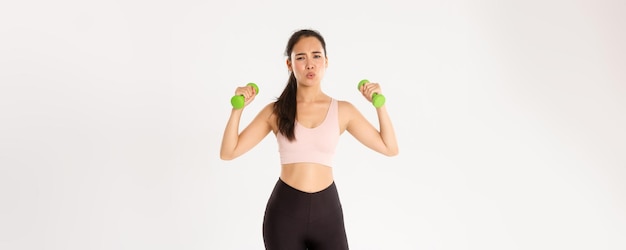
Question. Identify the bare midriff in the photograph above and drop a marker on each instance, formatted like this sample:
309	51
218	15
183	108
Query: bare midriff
307	177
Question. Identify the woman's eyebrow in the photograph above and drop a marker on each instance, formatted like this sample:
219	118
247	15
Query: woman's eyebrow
303	53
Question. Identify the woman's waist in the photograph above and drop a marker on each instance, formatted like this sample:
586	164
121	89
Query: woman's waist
307	177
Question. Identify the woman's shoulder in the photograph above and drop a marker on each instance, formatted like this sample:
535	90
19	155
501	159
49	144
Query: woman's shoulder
267	113
268	109
344	103
346	107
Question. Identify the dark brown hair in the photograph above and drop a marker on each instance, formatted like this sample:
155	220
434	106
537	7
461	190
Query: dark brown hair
285	105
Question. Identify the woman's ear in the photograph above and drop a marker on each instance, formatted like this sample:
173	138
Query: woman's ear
288	62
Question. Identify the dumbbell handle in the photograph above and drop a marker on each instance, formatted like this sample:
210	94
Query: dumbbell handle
238	101
378	100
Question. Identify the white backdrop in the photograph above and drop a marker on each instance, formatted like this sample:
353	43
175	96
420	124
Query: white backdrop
510	118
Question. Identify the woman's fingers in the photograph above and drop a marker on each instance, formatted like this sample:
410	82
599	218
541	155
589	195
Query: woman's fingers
247	92
369	89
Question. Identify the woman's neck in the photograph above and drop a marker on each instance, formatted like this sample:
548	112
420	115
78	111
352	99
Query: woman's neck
310	94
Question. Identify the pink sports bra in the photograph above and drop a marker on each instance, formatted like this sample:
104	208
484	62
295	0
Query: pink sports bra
316	145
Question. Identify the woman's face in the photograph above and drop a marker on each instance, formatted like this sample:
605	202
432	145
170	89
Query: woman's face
308	61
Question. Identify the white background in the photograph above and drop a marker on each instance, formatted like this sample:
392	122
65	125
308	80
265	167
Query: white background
510	115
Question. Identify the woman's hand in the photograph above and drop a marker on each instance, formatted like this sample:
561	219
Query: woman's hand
369	89
247	92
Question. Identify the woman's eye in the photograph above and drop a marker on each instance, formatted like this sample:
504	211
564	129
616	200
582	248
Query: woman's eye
299	58
317	56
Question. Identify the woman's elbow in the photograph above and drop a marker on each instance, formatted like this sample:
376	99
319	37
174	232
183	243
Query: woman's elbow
226	157
392	152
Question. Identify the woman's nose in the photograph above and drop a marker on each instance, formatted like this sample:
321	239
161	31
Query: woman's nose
310	66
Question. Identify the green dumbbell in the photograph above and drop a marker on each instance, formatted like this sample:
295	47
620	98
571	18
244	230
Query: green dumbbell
238	101
378	100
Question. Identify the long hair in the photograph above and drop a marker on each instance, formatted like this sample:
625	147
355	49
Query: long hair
285	105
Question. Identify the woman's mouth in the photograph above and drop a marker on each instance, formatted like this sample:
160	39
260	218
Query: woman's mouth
310	75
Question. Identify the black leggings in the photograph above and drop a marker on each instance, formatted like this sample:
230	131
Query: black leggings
298	220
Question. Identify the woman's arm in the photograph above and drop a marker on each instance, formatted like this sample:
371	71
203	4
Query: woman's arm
235	144
383	141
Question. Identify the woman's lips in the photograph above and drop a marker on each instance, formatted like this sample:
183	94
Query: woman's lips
310	75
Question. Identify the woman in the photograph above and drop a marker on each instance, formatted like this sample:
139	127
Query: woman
304	211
